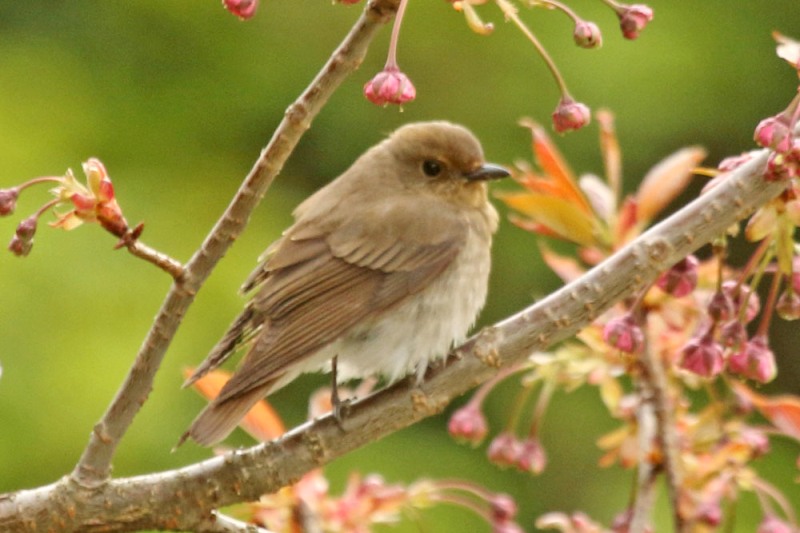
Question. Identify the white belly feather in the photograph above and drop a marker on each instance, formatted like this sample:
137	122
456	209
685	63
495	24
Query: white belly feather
410	336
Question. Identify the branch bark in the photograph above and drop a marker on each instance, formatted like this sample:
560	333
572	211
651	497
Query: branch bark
95	463
182	498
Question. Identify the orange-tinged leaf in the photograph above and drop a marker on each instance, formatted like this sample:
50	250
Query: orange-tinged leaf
533	227
627	220
560	215
666	180
543	185
553	164
262	422
783	410
565	267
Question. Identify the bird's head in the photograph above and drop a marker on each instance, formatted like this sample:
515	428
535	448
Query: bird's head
443	158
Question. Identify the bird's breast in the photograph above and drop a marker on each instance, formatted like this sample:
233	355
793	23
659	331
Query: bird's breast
425	325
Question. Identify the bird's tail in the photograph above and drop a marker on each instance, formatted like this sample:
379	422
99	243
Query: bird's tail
240	331
218	419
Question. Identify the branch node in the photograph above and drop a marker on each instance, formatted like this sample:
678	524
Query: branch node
486	347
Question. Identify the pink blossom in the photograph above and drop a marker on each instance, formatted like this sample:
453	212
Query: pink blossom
20	247
468	424
733	334
570	115
244	9
720	308
774	132
8	200
587	34
633	19
532	457
503	507
390	86
624	334
703	356
505	449
681	279
754	361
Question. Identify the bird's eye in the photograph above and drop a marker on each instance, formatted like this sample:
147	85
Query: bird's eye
431	167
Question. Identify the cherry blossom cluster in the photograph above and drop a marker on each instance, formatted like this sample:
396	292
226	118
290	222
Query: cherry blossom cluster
94	202
704	324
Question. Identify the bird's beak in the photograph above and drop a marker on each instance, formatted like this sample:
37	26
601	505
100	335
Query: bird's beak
488	171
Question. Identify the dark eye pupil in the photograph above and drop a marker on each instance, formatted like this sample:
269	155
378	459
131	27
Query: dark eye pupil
431	167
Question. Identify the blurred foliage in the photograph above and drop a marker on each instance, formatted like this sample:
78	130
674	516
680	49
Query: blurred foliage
178	97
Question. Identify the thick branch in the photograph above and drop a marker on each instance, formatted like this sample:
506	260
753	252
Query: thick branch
95	463
179	499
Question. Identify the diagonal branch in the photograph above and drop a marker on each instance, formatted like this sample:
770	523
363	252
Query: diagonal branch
95	463
183	498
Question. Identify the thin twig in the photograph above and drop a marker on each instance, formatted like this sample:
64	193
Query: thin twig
654	381
151	501
647	471
95	463
136	247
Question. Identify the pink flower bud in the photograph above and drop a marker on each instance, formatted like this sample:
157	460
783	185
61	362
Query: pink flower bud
20	247
468	424
742	295
390	86
624	334
733	334
681	279
633	19
702	356
570	115
504	449
503	507
244	9
755	361
587	34
27	228
774	132
8	200
720	308
532	457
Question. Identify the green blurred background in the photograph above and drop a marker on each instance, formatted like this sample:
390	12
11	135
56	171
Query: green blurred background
178	97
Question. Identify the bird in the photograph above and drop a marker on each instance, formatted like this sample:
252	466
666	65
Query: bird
383	270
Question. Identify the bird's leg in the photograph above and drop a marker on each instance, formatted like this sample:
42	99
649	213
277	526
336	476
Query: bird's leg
336	402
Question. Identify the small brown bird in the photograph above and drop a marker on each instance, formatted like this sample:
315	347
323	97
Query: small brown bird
383	270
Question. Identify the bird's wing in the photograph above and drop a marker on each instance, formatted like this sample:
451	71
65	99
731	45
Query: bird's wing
319	284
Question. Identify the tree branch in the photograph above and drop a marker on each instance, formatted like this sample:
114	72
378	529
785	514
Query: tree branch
95	463
180	499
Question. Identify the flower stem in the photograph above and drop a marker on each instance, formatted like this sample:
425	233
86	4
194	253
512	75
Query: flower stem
391	60
511	13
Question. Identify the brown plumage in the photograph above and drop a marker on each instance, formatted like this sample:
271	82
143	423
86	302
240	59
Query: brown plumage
384	268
